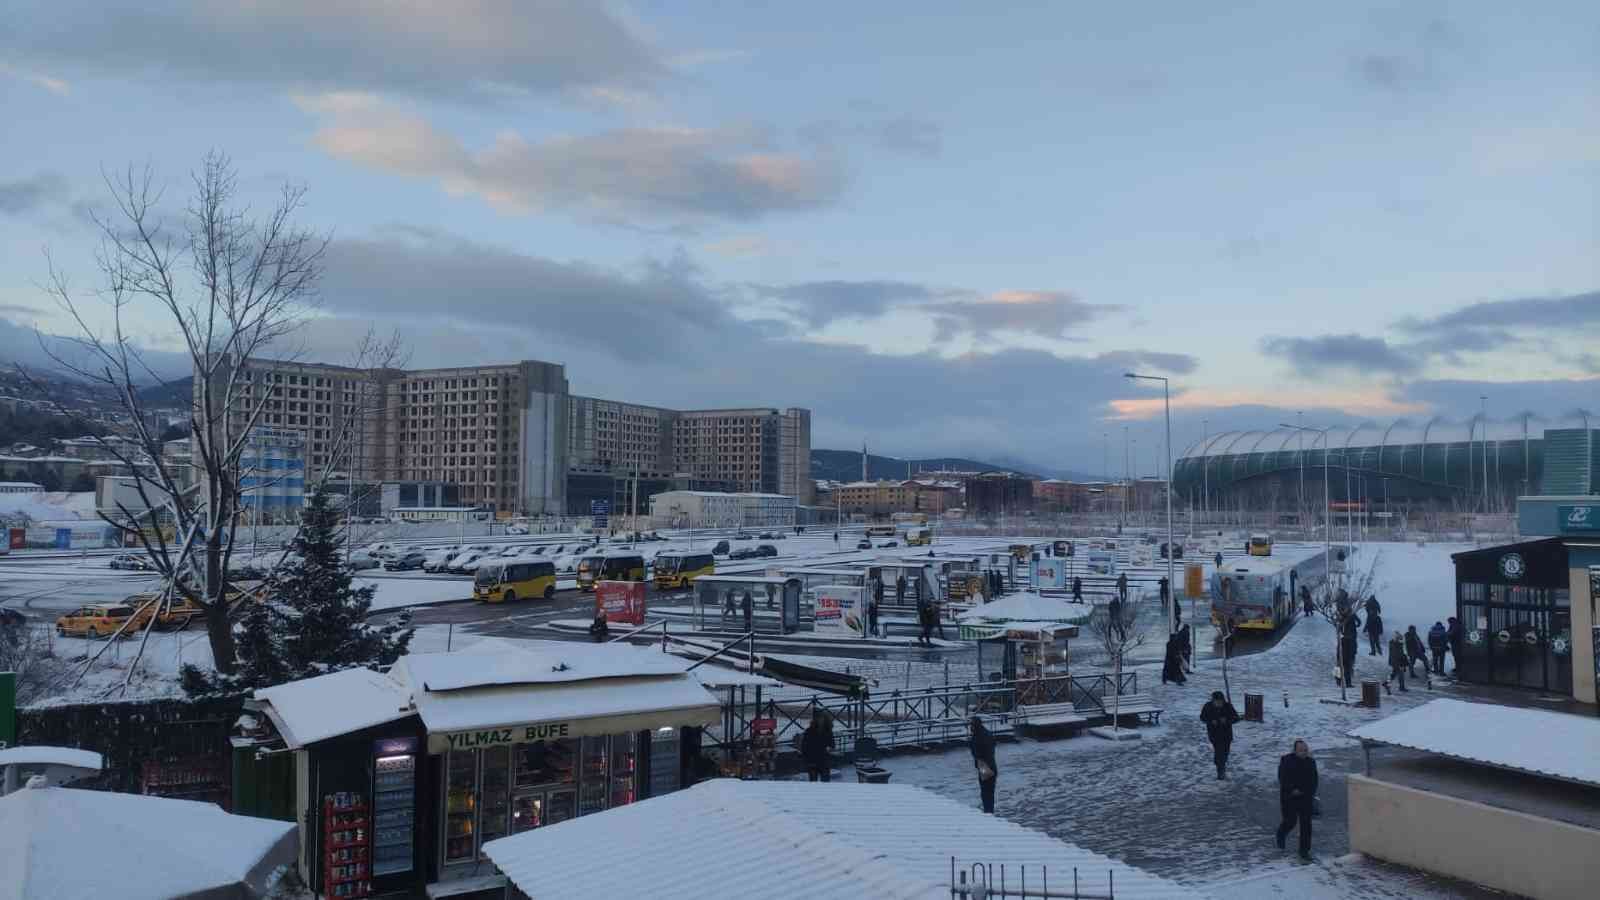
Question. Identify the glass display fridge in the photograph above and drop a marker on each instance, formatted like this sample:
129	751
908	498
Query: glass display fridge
394	803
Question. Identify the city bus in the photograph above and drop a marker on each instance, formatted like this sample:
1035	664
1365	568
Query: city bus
1258	594
609	567
919	537
506	582
1260	545
677	569
880	531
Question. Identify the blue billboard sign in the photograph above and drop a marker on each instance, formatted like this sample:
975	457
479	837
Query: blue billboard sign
1578	519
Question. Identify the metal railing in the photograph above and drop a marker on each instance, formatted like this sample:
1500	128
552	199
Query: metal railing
983	880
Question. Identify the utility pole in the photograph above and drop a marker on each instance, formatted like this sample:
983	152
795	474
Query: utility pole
1483	414
1205	471
1172	586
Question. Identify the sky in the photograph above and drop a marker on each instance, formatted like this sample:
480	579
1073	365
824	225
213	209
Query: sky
945	228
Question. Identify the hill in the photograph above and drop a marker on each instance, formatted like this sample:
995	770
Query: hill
178	393
845	465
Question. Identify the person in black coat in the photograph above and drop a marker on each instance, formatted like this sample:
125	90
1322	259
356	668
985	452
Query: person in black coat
1297	790
1373	606
983	761
1347	647
1305	599
1374	633
872	616
1122	587
816	745
1452	636
747	605
900	591
1077	590
1172	669
1436	644
599	629
1186	645
1415	651
925	619
1219	716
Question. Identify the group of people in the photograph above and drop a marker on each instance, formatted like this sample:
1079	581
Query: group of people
1179	658
1403	651
1297	771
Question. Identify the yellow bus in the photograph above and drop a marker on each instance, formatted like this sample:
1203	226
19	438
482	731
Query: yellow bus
506	582
919	537
679	569
609	567
880	531
1260	545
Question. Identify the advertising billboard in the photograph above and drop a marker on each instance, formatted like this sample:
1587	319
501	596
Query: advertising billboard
620	601
1049	573
839	611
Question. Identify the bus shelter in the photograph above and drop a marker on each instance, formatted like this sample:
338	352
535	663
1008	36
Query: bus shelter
1023	635
773	600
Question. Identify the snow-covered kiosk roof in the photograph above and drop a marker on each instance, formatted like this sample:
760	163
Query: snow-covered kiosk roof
65	842
1024	612
327	706
1534	741
798	840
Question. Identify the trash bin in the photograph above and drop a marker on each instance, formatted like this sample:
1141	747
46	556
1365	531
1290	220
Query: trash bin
1254	708
1369	694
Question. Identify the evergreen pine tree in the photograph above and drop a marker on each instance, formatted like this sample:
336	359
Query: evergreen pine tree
313	622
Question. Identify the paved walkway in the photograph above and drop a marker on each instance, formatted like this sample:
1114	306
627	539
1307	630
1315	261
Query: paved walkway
1155	802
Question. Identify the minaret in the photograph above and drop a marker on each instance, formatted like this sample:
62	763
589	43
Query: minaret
863	460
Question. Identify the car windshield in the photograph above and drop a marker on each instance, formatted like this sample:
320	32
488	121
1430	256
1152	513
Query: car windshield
668	565
488	574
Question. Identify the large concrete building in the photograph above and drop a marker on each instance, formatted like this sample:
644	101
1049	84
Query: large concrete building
515	440
714	509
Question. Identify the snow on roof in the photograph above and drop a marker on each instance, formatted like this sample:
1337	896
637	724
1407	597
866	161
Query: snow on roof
315	709
1567	747
1027	607
51	756
64	842
501	706
796	840
498	663
22	484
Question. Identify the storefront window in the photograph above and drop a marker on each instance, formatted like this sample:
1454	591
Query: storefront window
461	782
494	794
664	762
544	762
592	787
623	769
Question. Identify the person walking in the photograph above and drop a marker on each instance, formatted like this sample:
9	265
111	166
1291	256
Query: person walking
877	591
816	746
1373	607
748	607
1219	716
1077	590
1452	636
1397	661
872	616
1297	791
983	761
1219	561
1122	587
836	538
1172	667
1374	632
1186	645
1305	599
1436	645
1349	638
926	622
1415	651
900	590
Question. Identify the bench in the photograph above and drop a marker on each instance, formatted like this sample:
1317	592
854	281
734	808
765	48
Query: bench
929	734
1140	706
1050	716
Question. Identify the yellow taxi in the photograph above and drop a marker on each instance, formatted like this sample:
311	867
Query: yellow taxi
96	621
177	615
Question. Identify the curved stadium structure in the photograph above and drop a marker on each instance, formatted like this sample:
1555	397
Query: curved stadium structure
1436	463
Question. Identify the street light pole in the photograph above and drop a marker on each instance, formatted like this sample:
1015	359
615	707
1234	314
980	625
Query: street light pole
1327	520
1172	586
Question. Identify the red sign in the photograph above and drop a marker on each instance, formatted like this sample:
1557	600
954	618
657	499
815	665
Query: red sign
620	601
19	538
761	727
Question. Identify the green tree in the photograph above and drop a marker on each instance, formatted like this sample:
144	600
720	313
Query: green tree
313	621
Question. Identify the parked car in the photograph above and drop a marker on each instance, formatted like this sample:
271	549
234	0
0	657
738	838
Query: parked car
863	544
887	544
136	561
176	615
411	559
765	536
744	553
436	558
101	620
516	528
361	559
779	536
766	550
721	549
466	562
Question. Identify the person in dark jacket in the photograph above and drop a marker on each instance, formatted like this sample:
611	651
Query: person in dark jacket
900	590
877	591
1077	590
1219	559
1122	587
1415	651
1373	607
872	616
983	761
925	619
747	605
598	629
1297	790
1436	645
1172	668
1350	640
1397	660
1186	646
816	745
1307	602
1374	633
1452	636
1219	716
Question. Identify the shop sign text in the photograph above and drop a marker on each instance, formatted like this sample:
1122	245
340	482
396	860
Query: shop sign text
520	734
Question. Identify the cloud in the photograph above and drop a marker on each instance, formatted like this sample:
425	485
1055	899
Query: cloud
1049	314
1411	59
820	302
1349	352
21	345
27	194
1543	313
901	134
739	246
465	48
53	85
733	173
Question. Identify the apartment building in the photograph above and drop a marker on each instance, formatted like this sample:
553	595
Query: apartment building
514	439
878	499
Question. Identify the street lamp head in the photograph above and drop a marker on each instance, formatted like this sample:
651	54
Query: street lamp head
1129	375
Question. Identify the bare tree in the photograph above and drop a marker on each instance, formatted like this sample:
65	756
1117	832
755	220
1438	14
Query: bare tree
1336	598
1118	627
26	650
234	288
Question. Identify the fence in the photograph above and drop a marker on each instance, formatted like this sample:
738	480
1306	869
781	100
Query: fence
917	718
984	880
